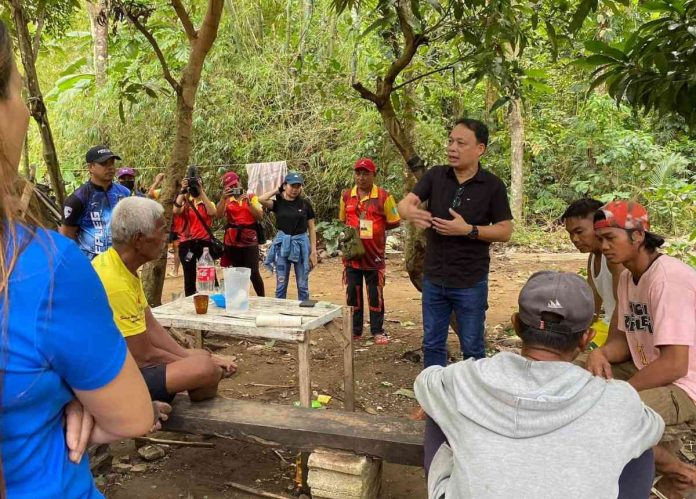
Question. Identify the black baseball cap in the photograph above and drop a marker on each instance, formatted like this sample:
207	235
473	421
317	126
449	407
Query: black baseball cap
100	154
562	293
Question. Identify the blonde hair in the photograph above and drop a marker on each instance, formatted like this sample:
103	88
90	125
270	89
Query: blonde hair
10	246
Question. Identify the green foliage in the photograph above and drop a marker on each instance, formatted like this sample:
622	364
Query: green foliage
330	233
655	67
261	99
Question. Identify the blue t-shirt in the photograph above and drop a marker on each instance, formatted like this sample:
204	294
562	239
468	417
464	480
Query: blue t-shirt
89	208
60	336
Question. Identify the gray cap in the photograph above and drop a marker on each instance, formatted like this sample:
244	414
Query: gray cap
562	293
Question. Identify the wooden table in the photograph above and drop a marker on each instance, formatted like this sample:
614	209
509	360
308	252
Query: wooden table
337	319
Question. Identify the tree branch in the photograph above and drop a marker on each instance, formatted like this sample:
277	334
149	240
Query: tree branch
39	28
438	70
191	32
209	27
413	41
365	93
155	46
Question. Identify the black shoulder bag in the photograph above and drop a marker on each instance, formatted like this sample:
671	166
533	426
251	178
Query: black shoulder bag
217	249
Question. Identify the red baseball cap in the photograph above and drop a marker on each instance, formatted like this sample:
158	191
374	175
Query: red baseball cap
627	215
365	164
230	178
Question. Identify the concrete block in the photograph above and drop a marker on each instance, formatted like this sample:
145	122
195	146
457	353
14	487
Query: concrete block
344	475
340	461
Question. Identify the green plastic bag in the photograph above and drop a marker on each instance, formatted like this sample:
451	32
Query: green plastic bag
350	244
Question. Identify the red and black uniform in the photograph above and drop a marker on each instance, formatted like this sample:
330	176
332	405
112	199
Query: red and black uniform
371	216
193	237
241	239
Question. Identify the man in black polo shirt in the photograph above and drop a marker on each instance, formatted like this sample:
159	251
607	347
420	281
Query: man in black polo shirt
468	210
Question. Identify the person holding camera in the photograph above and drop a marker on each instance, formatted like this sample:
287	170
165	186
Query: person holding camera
296	240
243	213
193	236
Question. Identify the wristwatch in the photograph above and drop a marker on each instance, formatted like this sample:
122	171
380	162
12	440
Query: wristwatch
474	233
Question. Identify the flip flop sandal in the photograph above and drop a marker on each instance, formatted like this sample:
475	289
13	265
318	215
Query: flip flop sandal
381	339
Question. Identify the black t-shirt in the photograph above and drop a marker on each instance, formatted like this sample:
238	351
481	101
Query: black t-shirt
457	261
292	216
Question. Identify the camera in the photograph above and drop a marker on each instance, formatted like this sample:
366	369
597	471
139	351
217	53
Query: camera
194	186
236	191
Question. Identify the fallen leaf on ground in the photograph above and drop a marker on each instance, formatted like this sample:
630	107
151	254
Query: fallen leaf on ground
405	392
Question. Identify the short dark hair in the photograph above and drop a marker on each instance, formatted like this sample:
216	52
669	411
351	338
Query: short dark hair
478	127
581	208
560	342
651	242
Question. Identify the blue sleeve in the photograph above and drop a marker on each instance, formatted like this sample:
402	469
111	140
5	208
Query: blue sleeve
75	329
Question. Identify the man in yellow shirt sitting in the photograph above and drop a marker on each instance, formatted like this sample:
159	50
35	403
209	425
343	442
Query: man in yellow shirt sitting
139	233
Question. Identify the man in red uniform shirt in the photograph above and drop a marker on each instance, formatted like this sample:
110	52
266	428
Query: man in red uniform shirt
371	211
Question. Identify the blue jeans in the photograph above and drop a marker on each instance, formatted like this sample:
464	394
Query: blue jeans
283	276
469	306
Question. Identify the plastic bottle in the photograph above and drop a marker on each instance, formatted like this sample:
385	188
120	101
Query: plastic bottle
205	273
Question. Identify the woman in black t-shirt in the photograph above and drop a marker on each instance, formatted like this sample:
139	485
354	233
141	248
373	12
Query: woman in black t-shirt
296	241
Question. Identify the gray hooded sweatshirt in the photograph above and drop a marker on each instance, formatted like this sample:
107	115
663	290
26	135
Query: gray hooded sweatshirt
519	428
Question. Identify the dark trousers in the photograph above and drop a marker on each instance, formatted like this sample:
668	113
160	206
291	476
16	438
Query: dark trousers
374	281
635	481
247	256
195	247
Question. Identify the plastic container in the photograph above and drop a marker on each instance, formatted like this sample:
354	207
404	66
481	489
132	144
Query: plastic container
219	300
237	281
205	273
601	330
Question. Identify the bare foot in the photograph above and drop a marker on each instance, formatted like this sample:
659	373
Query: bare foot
418	415
162	410
205	393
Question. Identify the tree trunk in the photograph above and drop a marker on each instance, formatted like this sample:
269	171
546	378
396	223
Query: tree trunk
491	97
36	103
307	12
154	272
288	25
516	123
99	25
414	245
355	55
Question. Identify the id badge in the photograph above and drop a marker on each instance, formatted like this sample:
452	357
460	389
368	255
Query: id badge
365	229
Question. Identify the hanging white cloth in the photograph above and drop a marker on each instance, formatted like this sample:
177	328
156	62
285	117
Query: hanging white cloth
264	177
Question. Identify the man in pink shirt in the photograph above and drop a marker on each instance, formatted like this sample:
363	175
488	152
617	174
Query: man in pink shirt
654	344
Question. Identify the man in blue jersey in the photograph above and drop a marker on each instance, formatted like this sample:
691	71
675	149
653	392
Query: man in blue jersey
87	211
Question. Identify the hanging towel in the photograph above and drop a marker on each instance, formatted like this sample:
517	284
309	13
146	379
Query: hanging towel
265	177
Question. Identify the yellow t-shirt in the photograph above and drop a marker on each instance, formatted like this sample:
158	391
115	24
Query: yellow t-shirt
125	293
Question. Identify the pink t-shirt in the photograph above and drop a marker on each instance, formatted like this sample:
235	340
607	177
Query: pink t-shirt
660	310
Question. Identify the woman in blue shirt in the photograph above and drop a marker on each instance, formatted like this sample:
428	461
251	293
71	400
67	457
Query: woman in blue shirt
60	353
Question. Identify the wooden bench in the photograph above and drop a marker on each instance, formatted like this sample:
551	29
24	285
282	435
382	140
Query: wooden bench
395	440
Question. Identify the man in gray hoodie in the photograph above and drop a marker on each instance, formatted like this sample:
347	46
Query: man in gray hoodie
535	425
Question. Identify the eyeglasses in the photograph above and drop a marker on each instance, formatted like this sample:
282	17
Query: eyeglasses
457	201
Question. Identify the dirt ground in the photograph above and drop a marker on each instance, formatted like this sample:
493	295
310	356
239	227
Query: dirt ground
380	371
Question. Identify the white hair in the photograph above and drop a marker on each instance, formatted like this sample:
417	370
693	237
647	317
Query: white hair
132	216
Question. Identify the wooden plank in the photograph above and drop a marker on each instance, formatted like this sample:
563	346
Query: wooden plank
181	314
256	305
226	329
321	321
394	439
348	370
303	356
199	338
